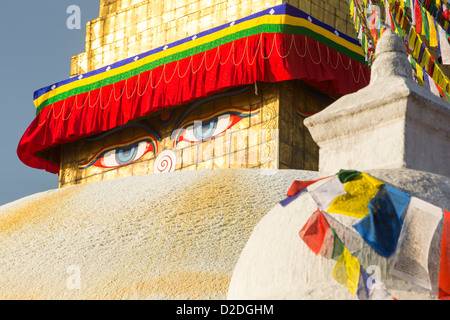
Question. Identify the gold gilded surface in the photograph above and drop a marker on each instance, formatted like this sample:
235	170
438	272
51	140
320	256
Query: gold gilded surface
126	28
272	133
245	130
210	135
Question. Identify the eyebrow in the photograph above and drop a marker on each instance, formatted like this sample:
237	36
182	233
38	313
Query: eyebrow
133	124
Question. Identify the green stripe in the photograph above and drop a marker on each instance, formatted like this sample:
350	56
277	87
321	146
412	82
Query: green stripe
264	28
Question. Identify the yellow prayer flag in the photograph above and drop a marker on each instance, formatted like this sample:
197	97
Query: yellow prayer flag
436	73
347	271
412	38
425	59
419	73
360	191
417	47
433	34
352	8
439	78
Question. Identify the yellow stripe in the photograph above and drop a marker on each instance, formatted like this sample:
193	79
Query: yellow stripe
278	19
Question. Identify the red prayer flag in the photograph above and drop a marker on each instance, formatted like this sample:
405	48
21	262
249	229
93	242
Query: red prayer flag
314	231
373	29
418	14
431	66
441	92
299	185
391	19
444	269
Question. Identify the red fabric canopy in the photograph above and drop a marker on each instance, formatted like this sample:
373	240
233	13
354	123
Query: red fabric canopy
267	57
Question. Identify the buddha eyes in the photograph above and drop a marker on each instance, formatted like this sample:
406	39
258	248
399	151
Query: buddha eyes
190	131
123	154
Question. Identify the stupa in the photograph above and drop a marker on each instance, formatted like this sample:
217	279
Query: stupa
190	85
178	135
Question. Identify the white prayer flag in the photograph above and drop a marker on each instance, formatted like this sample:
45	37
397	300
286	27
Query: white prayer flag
325	192
410	261
444	45
433	87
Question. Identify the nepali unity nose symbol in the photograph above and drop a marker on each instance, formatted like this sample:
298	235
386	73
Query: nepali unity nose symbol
165	162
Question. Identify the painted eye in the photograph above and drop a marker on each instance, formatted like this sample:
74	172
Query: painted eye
207	127
205	130
123	155
113	157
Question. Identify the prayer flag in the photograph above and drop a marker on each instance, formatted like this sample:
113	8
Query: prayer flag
318	235
347	175
417	48
433	87
381	228
406	39
418	16
425	59
338	247
426	81
412	6
352	11
432	28
431	66
325	193
444	46
425	26
444	267
364	285
347	271
412	39
369	289
359	192
299	185
410	261
288	200
373	25
389	21
421	51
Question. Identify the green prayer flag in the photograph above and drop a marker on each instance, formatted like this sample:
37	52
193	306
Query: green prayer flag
425	26
338	247
347	175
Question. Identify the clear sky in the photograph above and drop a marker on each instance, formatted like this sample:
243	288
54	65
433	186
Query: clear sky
35	51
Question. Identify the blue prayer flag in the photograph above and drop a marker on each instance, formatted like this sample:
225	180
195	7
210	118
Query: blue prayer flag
381	227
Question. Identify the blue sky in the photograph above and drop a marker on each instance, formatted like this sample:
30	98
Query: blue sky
36	50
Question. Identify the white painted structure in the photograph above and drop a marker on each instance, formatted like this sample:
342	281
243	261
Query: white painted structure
392	123
394	130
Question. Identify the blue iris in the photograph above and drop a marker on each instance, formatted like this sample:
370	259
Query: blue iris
205	130
126	154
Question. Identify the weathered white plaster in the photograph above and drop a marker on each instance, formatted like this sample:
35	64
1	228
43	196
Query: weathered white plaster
168	236
391	123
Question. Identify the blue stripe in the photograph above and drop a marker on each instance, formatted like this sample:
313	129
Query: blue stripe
277	10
